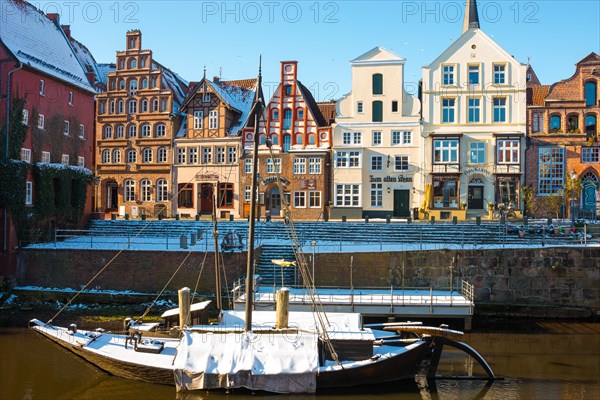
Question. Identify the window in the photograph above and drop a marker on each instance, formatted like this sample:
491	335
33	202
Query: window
161	155
146	189
65	159
590	125
225	194
132	131
354	159
206	97
163	105
133	85
376	163
144	81
347	159
131	156
448	74
357	137
299	165
144	107
551	170
213	119
377	111
81	131
299	138
591	94
40	123
26	155
376	194
477	153
572	123
145	130
111	107
300	114
508	151
347	195
220	155
106	156
500	109
180	156
42	87
287	143
116	156
185	196
119	134
445	194
160	130
247	193
153	82
474	110
401	137
311	139
352	138
314	166
81	161
206	155
401	163
129	186
192	155
314	199
406	137
376	138
445	151
499	74
538	122
396	137
120	107
132	107
377	84
448	110
299	199
46	156
70	98
273	165
66	128
275	114
28	193
359	107
161	190
288	90
198	119
25	120
231	155
555	124
394	106
346	137
155	105
590	154
473	74
101	107
287	119
147	155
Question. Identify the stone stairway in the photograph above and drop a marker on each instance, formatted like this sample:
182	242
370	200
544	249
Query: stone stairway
272	274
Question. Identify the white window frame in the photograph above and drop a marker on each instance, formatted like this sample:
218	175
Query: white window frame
116	156
192	156
145	131
45	157
402	161
555	170
446	148
129	190
41	121
206	97
377	162
501	107
64	159
300	199
147	155
314	166
198	119
376	195
448	111
160	130
81	131
132	107
273	165
81	161
213	119
477	153
106	153
475	108
131	156
474	67
509	148
247	193
161	155
247	166
300	166
28	193
314	199
231	155
376	138
407	137
396	138
42	87
66	128
220	155
146	190
162	190
347	195
26	155
25	120
360	109
499	71
181	155
70	98
448	75
120	132
206	155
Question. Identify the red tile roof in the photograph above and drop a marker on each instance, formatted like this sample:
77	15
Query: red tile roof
328	110
539	94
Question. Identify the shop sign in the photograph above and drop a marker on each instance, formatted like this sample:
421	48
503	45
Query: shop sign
399	178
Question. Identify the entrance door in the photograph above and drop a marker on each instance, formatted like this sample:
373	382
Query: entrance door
205	200
112	196
275	202
401	203
475	198
589	196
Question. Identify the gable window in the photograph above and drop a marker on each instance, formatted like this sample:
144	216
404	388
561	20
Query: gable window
133	63
508	151
376	163
116	156
131	156
377	84
213	119
160	130
146	189
28	193
477	153
287	119
555	124
161	155
26	155
376	138
311	139
153	82
347	195
288	90
198	119
551	170
500	109
448	110
161	190
314	166
147	155
300	114
359	107
376	194
42	87
66	128
448	74
401	163
129	192
590	154
445	151
206	98
299	165
572	123
499	74
299	138
474	110
473	74
377	111
591	94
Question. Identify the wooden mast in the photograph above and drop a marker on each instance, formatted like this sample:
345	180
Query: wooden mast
256	113
216	254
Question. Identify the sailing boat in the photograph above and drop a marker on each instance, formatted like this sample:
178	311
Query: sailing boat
281	352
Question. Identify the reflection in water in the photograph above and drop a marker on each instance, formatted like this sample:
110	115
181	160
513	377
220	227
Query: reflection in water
535	366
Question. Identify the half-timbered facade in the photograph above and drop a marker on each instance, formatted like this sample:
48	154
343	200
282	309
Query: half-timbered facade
136	119
294	142
207	150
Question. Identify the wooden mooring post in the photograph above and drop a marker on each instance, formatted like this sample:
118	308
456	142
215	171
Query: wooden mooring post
282	306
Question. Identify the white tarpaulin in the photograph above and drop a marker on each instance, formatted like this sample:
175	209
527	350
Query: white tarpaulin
274	362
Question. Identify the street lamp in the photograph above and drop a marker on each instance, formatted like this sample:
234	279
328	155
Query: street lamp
313	245
573	176
96	184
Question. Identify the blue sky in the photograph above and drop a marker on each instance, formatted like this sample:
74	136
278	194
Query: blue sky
324	35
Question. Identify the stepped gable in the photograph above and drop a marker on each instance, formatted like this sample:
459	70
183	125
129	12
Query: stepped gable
104	69
571	89
173	82
38	42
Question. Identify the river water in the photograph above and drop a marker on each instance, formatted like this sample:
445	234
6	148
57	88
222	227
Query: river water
544	361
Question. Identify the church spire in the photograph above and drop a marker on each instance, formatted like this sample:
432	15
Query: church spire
471	16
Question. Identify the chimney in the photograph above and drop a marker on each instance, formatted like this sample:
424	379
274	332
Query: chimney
216	79
67	30
54	17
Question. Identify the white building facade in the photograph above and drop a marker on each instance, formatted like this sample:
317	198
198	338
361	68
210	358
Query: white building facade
376	152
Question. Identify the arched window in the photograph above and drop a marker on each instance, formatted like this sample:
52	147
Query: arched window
133	86
144	83
121	63
146	189
377	111
131	156
591	94
119	134
112	84
145	130
299	138
555	123
129	186
287	142
120	107
106	156
262	139
107	132
275	114
160	130
161	190
287	119
300	113
144	107
590	125
536	123
155	105
142	62
132	63
572	123
122	84
116	156
275	139
377	84
311	139
288	90
163	105
147	155
111	107
161	155
153	82
132	131
132	106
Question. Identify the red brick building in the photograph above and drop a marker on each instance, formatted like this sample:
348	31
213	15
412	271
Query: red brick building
40	66
562	133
